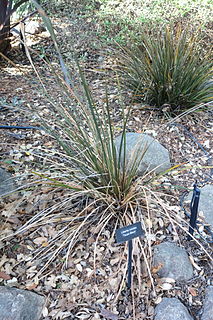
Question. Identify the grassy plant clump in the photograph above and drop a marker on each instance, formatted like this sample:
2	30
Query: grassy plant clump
88	141
101	188
168	69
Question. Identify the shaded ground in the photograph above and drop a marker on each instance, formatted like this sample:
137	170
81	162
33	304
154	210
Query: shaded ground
84	290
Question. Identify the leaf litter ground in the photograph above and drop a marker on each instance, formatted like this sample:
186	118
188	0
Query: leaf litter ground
82	290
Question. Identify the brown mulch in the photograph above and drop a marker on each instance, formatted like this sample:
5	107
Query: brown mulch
82	290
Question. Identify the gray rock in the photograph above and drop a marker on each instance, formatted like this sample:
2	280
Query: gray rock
205	203
16	304
34	27
31	27
208	305
155	155
174	260
7	183
171	309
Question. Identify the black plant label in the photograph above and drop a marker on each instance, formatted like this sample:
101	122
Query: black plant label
129	232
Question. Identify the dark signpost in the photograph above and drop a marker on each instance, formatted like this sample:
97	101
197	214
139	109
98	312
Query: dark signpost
127	234
194	209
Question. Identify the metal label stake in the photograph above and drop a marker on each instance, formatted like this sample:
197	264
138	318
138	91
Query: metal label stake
194	210
127	234
129	268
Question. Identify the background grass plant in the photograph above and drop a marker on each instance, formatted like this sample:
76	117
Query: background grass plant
167	69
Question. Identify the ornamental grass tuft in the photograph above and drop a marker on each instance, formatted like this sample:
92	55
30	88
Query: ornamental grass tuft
168	68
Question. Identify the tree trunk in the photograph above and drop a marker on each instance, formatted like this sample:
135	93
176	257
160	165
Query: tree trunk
4	26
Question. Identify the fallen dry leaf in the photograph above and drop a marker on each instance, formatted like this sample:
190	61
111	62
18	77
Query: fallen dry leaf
194	264
169	280
108	314
45	312
155	269
31	286
79	267
166	286
192	291
4	259
4	276
40	241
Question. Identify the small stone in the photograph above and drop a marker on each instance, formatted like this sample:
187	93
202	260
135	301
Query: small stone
173	260
149	153
171	309
79	267
166	286
17	304
208	305
7	183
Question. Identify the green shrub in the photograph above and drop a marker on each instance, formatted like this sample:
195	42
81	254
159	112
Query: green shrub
167	68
